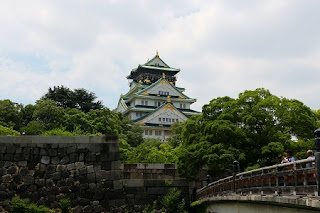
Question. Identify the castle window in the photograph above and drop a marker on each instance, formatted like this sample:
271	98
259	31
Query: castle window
160	119
157	133
182	106
146	132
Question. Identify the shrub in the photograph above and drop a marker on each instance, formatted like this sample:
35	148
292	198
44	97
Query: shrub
173	203
19	205
65	205
23	206
8	131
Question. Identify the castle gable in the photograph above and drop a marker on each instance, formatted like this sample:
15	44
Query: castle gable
166	114
162	88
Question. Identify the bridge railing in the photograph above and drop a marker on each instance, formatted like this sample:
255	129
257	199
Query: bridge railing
292	178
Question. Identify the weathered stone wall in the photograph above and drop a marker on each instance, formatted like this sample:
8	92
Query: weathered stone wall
87	170
47	169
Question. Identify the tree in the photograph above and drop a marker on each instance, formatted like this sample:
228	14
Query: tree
151	151
84	100
8	131
47	112
80	99
10	114
251	129
175	138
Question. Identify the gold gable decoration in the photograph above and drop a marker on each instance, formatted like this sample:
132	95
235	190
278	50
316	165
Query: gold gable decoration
141	123
163	75
164	82
168	107
181	96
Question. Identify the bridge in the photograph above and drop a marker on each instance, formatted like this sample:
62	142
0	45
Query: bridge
290	187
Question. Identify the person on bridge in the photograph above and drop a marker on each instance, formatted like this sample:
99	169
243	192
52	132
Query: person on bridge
289	155
310	156
283	159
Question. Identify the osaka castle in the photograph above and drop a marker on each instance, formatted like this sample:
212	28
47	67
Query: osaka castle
154	101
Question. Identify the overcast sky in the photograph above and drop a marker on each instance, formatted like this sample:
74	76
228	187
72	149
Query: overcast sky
222	47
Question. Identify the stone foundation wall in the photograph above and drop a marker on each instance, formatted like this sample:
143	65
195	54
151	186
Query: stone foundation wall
47	169
87	170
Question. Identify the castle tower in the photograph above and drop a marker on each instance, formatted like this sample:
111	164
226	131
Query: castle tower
154	101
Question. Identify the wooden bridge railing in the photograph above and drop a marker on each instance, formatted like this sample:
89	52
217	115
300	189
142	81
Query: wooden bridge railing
295	178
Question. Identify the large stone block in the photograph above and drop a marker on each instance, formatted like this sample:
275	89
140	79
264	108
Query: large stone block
67	140
8	157
45	160
53	152
113	147
157	190
81	140
35	151
94	148
17	178
71	166
90	169
2	148
71	150
91	178
154	183
64	160
133	183
96	139
13	170
135	190
40	182
90	157
73	157
22	163
28	180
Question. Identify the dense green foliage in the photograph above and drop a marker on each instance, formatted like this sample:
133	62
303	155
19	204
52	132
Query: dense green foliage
173	203
60	116
23	206
65	205
253	129
150	151
8	131
79	98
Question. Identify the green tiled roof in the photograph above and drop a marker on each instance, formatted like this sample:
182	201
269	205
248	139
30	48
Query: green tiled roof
157	82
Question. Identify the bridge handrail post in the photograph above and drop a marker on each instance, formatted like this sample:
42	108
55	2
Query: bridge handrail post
317	158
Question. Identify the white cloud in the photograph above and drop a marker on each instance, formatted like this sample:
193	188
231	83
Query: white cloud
222	47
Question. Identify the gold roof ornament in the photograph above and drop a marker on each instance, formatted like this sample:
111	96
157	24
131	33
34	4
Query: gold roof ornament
168	99
145	93
140	82
147	81
157	54
163	75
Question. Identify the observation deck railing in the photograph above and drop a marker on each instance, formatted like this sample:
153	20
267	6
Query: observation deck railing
294	178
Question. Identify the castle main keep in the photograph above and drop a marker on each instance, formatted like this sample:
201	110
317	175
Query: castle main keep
154	101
